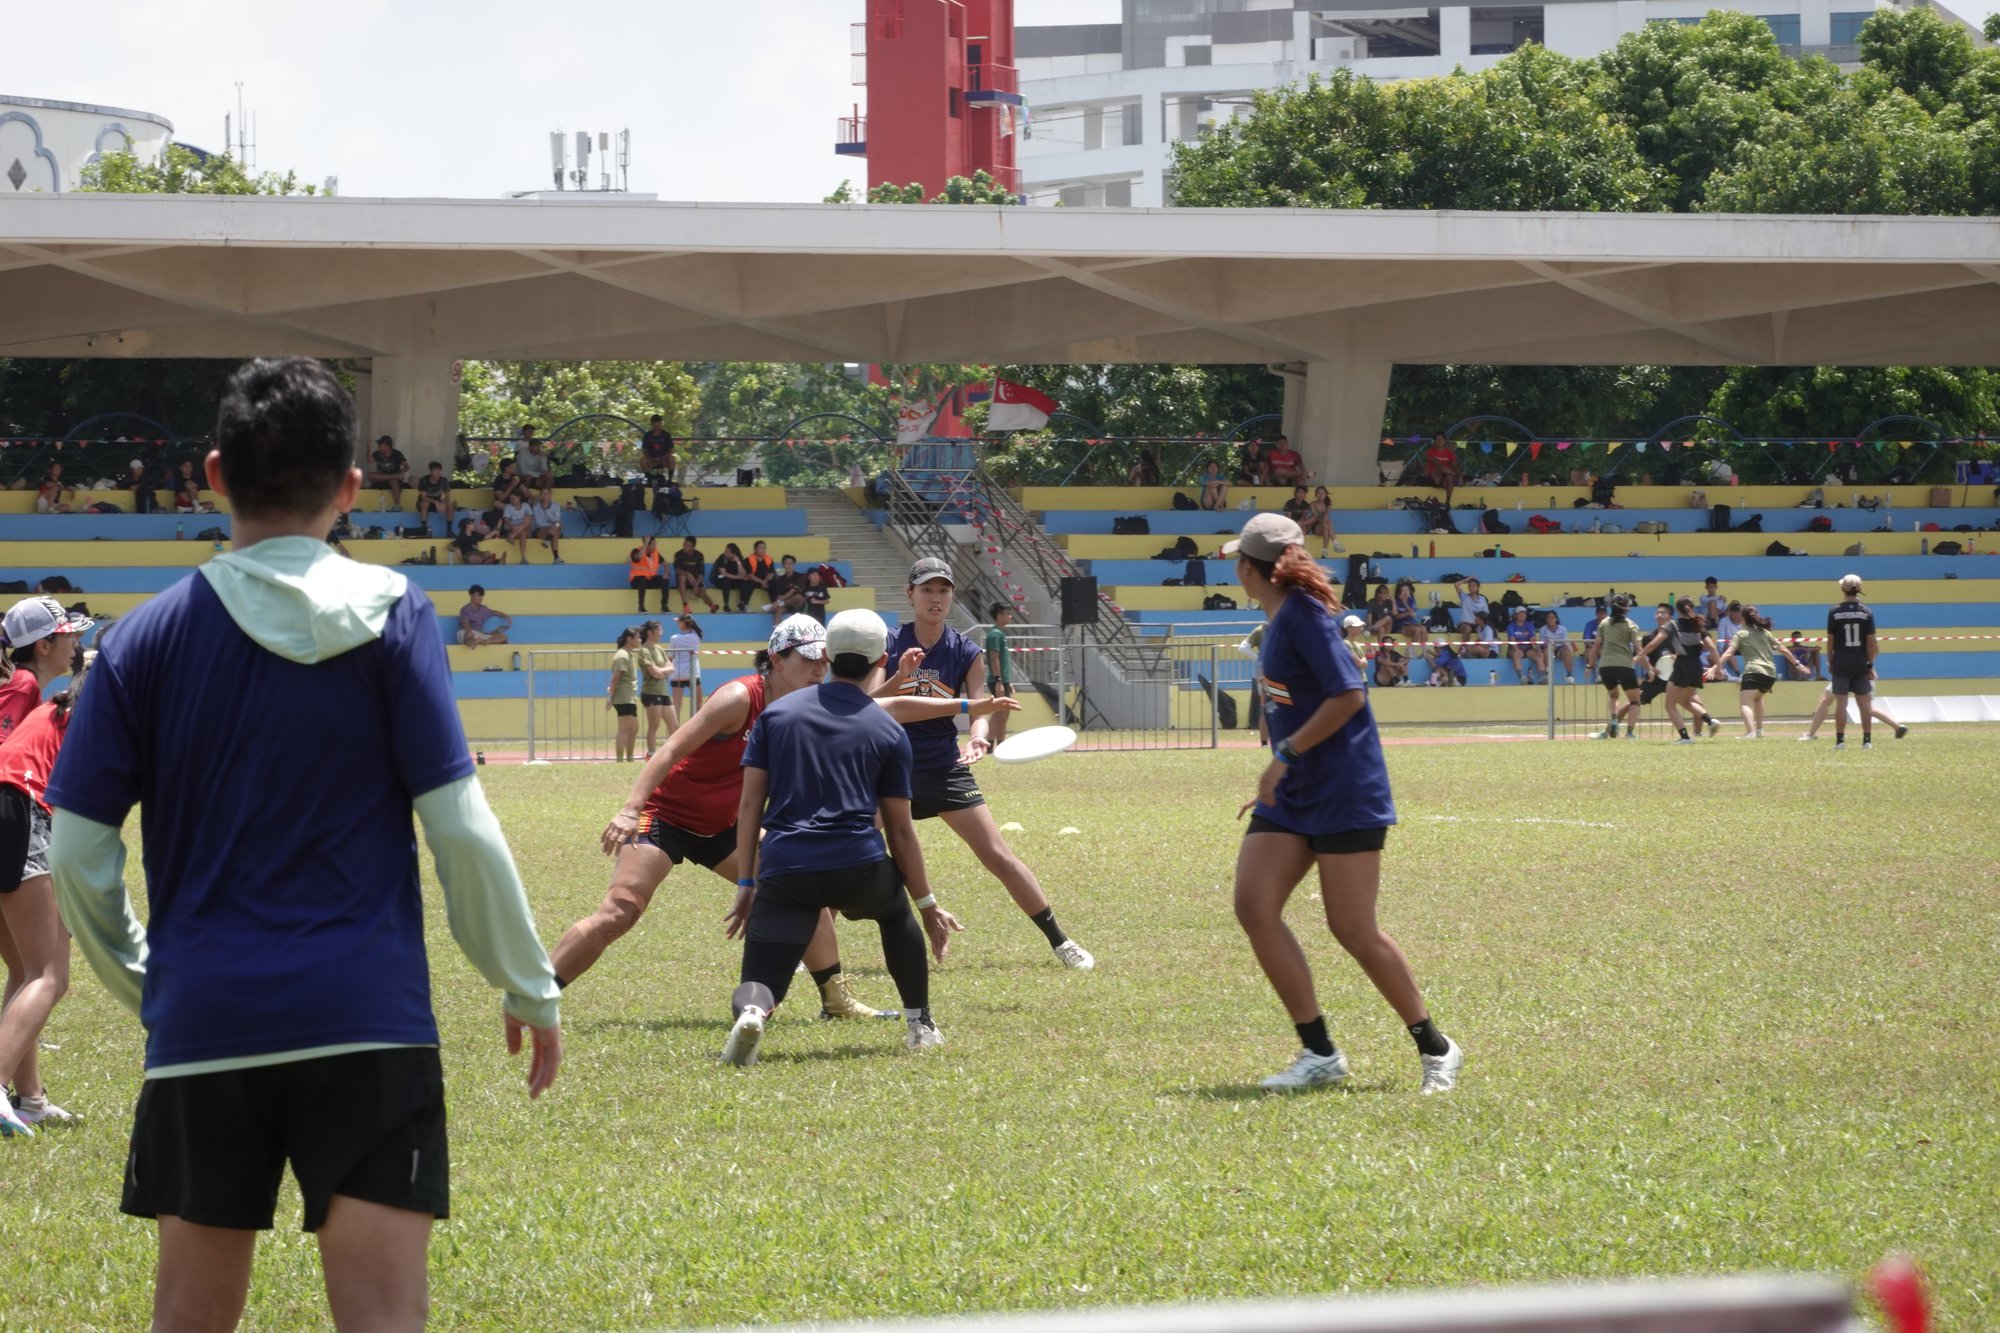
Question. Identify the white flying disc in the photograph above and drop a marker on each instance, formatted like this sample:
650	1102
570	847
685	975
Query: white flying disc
1029	746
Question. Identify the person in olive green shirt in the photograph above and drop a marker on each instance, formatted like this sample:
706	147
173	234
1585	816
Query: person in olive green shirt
1759	651
622	695
999	669
655	667
1614	655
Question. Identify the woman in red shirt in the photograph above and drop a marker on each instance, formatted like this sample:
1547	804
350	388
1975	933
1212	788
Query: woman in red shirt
683	806
1441	466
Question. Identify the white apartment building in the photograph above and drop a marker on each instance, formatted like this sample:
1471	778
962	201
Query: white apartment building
45	145
1109	98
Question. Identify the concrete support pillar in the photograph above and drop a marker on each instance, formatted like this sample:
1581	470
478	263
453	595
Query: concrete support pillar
414	398
1815	23
1455	33
1333	415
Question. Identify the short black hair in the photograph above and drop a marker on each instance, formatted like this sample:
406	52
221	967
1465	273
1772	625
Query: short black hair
852	666
285	432
475	591
436	466
998	609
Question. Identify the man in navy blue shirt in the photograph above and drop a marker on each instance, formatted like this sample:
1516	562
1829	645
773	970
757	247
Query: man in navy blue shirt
281	975
819	765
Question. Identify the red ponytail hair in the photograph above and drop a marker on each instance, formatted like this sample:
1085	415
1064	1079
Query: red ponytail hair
1295	569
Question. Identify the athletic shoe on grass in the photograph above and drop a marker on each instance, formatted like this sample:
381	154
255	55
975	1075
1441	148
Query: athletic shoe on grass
744	1038
836	1000
11	1124
923	1034
1840	745
1441	1071
1074	955
1901	731
1309	1071
40	1110
1713	726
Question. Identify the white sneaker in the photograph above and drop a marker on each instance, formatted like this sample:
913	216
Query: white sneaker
1808	738
1309	1071
1713	727
11	1124
1441	1071
922	1035
744	1038
1074	955
40	1110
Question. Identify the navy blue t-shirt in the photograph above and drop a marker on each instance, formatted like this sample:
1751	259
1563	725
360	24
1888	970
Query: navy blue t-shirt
831	754
1340	783
942	675
274	800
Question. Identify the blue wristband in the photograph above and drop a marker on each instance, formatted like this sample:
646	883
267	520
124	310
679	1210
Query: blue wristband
746	883
1284	753
964	706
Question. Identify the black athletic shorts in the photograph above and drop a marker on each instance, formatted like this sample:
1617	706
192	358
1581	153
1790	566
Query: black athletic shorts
655	700
1615	679
1850	682
1687	672
786	909
24	838
1327	844
625	710
936	792
211	1148
1756	682
707	850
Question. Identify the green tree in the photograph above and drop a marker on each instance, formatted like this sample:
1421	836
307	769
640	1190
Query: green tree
1917	53
179	170
978	188
496	398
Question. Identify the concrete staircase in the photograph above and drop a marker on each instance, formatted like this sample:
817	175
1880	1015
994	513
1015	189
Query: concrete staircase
879	561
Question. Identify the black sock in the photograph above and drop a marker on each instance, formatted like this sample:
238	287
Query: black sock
560	983
822	975
1429	1040
1046	919
1684	733
1313	1036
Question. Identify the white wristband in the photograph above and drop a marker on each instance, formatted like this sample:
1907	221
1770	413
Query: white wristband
926	902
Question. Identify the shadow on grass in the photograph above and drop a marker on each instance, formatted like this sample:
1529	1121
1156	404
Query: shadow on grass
718	1024
1250	1092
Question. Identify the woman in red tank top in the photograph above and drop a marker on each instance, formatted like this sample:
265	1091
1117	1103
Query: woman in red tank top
683	805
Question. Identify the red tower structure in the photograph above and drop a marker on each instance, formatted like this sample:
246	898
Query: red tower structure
944	98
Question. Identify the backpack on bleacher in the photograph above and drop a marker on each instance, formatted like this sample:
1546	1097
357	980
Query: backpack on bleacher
1216	601
1718	518
1130	525
1754	523
1490	524
1777	548
1182	502
1947	548
1543	524
1196	573
1818	523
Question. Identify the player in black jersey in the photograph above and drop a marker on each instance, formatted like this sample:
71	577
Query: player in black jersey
1851	648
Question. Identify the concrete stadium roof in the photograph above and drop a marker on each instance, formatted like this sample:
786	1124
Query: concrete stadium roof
109	275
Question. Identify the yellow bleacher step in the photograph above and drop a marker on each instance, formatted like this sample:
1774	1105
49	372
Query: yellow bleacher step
1744	500
1141	597
609	602
1605	545
712	498
382	551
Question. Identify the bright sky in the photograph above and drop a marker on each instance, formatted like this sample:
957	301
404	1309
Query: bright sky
727	100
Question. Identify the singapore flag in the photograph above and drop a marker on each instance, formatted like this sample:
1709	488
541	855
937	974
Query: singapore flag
1017	407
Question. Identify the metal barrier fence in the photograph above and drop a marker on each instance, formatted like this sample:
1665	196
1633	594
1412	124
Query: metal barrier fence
569	715
1196	691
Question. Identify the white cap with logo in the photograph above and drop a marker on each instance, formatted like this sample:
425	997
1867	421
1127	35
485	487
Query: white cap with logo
803	633
859	632
36	618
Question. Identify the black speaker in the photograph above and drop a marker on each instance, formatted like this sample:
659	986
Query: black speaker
1079	600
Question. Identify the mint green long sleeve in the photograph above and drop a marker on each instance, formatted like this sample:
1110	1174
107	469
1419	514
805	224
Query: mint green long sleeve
484	902
87	865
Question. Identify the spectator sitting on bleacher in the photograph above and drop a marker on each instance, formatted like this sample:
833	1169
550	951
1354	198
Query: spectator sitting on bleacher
643	571
758	570
1145	471
55	496
1298	508
689	570
144	501
1441	466
187	491
1471	602
508	485
817	595
478	623
1391	667
1476	637
1286	467
1446	669
788	590
434	497
1555	645
1214	492
1713	603
1318	522
1523	652
472	530
1381	613
545	522
732	575
1404	615
1253	469
536	474
1805	656
656	449
515	524
388	470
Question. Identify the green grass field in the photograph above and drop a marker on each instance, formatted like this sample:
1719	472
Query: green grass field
1724	1009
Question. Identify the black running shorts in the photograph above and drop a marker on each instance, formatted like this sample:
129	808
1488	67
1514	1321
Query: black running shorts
1344	843
707	850
1850	682
937	792
1687	672
1615	679
211	1148
1756	682
786	908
